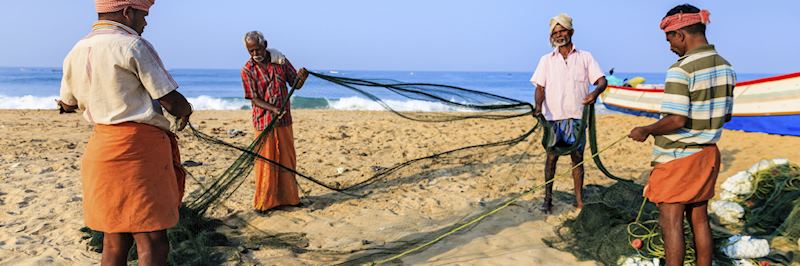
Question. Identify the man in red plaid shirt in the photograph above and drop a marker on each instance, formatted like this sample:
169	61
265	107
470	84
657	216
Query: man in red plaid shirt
264	78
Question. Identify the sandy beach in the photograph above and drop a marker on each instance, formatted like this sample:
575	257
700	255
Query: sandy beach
40	192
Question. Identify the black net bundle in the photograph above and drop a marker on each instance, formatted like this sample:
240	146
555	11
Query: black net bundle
774	211
467	103
615	216
600	231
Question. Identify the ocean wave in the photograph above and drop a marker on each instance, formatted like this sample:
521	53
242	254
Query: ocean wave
27	102
358	103
48	102
205	102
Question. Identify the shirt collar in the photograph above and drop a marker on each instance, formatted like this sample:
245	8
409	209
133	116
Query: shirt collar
700	49
555	50
112	25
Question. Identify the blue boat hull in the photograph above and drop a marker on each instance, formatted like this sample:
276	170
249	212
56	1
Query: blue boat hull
774	124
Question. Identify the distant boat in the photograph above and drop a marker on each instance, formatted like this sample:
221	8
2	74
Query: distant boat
768	105
333	72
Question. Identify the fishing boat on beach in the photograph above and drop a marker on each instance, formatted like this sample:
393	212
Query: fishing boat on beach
768	105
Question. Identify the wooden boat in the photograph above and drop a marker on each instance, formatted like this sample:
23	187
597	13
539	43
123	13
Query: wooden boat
769	105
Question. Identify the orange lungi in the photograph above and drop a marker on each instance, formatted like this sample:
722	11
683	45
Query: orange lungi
132	179
685	180
275	186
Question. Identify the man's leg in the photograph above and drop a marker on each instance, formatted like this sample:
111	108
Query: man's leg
697	213
577	177
549	174
115	248
152	247
670	218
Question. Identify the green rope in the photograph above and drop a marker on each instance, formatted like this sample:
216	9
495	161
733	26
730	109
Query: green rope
494	210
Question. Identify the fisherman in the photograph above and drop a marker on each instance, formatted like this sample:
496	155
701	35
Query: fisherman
131	174
562	80
697	102
265	77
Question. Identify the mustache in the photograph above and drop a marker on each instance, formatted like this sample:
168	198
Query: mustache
561	41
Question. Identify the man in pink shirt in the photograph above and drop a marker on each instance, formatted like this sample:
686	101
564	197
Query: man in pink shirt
562	80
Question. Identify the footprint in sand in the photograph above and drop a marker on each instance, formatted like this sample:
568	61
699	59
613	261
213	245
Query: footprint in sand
22	240
74	198
40	229
25	202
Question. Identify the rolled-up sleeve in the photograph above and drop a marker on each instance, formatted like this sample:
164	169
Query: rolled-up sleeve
248	84
66	94
289	72
151	71
595	72
540	74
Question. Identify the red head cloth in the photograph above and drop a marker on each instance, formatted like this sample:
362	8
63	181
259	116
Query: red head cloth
680	20
108	6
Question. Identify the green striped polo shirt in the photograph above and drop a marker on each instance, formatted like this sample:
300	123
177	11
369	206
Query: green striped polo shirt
700	87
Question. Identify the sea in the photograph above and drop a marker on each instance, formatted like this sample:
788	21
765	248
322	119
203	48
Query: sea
221	89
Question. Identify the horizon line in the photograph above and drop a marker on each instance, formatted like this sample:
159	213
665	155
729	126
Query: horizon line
387	70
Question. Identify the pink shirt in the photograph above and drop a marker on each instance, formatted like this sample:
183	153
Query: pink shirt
566	82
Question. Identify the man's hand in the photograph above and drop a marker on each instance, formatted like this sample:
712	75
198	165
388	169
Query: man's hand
65	108
590	99
274	110
537	111
181	122
639	134
302	75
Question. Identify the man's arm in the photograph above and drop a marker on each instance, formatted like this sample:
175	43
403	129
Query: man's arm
178	106
295	78
67	103
265	105
539	100
667	125
600	86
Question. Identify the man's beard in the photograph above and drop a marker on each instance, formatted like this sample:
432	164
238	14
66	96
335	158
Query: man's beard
258	58
558	42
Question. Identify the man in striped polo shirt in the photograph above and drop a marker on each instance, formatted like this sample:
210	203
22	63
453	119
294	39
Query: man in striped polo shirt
697	101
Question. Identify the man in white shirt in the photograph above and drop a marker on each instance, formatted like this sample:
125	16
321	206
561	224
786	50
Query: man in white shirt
562	80
131	174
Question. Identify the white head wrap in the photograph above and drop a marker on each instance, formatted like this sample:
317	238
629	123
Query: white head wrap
562	19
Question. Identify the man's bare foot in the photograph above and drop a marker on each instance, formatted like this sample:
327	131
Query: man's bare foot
547	207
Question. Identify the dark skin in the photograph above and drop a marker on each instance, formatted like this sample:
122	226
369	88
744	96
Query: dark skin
152	247
671	215
258	49
562	35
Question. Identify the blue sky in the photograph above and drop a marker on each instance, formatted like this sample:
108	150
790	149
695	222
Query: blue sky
439	35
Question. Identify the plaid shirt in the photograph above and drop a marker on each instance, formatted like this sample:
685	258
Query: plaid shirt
269	84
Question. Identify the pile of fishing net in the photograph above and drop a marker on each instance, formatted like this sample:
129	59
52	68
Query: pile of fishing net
756	220
193	241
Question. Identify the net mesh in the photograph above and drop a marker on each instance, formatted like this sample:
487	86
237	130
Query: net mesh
607	225
602	231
